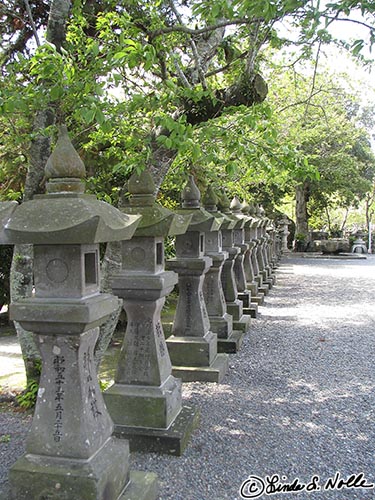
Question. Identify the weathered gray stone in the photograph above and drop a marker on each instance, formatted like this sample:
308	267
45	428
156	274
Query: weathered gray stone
244	294
6	210
145	401
257	256
241	321
284	222
70	450
171	441
266	270
250	236
359	245
221	322
192	346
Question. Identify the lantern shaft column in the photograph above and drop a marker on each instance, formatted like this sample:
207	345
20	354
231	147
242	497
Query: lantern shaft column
193	346
235	308
145	401
229	340
70	451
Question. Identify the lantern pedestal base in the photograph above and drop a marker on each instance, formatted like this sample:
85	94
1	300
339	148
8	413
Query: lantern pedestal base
213	373
232	344
104	475
171	441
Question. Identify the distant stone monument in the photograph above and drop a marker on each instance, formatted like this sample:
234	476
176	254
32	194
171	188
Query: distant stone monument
145	400
336	246
70	450
221	322
284	224
272	246
359	245
192	345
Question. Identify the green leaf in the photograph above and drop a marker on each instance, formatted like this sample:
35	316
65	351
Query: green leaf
99	116
120	55
56	93
88	114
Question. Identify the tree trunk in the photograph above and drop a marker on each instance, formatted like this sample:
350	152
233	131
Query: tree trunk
343	225
328	221
21	276
302	224
247	92
110	265
21	279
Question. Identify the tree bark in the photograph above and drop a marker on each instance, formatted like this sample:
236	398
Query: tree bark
110	265
21	276
246	92
302	224
21	279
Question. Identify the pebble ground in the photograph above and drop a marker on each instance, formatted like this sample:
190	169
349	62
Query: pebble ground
298	401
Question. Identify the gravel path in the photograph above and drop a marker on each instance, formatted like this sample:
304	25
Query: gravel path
298	402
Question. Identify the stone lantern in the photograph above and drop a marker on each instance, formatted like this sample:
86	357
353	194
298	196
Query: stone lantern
221	322
145	401
258	259
250	273
284	222
192	345
268	275
359	245
244	293
6	210
272	247
235	307
70	450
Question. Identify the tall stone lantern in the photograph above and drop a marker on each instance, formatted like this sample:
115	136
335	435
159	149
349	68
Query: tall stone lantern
145	401
268	276
257	256
250	231
244	293
192	345
70	450
241	321
284	224
221	322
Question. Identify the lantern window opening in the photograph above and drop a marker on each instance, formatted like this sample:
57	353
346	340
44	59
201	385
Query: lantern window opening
91	268
159	253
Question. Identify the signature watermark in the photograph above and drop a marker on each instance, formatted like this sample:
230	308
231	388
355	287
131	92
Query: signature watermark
256	487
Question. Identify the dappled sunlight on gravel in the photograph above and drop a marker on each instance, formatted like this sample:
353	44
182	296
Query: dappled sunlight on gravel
299	398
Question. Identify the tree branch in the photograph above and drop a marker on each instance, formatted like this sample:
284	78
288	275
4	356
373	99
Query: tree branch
206	29
313	83
355	21
31	19
227	66
193	48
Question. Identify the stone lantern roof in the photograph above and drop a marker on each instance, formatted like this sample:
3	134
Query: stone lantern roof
261	213
236	209
6	210
210	203
256	222
225	207
156	220
245	209
65	215
210	199
201	220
